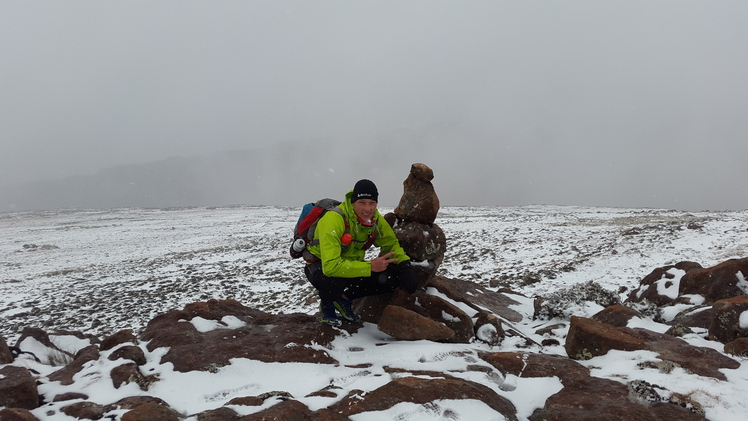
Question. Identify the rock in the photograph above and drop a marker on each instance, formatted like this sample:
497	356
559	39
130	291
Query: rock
725	324
6	357
404	324
18	388
16	414
65	374
69	396
419	202
588	338
425	245
151	412
738	347
488	328
85	410
536	365
53	354
616	315
218	414
591	397
129	373
260	336
697	316
285	410
422	391
648	287
438	310
129	352
716	283
133	402
477	297
583	397
121	337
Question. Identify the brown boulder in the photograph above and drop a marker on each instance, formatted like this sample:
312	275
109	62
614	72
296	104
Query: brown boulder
129	352
404	324
151	412
218	414
593	399
129	373
133	402
419	202
16	414
477	297
18	388
264	337
616	315
122	337
725	324
284	410
583	397
715	283
648	287
537	365
738	347
6	357
438	310
698	316
588	338
69	396
65	374
85	410
422	391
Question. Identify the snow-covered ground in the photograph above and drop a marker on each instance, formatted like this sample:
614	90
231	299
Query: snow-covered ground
101	271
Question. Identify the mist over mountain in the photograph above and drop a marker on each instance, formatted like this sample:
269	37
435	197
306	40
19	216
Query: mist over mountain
284	174
470	169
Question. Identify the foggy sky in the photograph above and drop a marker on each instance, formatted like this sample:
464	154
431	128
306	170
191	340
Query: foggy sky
615	103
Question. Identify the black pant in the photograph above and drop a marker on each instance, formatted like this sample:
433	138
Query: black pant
333	288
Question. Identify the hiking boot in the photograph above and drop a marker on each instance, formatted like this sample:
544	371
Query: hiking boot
328	316
345	310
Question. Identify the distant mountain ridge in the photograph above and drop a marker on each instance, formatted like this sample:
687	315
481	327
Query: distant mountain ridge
290	174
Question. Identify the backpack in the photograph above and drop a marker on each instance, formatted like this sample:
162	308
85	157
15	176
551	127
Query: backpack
303	233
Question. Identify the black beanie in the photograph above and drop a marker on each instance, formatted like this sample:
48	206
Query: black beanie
365	189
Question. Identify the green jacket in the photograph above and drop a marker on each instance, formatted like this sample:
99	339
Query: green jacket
351	264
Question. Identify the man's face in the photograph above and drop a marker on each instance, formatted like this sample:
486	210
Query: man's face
364	209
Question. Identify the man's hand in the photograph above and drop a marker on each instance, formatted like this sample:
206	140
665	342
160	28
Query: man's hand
380	263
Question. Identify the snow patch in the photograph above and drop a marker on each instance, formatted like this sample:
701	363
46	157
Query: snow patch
227	322
668	286
742	283
743	320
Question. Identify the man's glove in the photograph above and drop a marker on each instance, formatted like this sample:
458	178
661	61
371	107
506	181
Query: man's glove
408	280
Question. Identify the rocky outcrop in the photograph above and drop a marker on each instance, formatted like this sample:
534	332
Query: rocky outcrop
686	281
584	397
588	338
18	388
725	323
405	324
16	414
422	390
661	286
239	332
